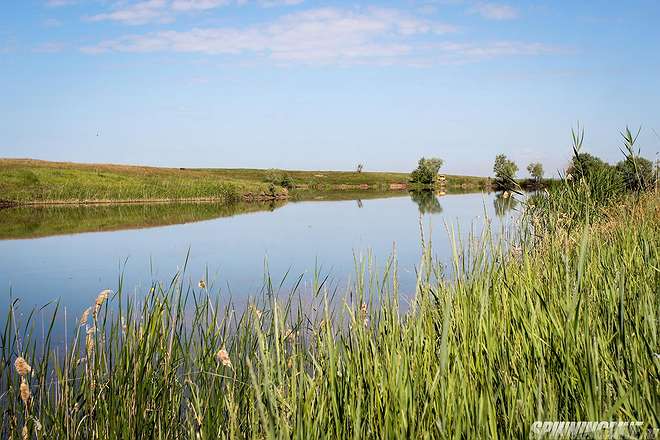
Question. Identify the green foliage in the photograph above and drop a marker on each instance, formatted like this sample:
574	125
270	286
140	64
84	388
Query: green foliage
280	178
561	326
637	173
587	166
535	169
505	172
426	172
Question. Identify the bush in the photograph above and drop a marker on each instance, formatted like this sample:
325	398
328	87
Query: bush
636	173
426	172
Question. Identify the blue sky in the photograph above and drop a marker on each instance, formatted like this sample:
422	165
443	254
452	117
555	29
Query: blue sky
325	85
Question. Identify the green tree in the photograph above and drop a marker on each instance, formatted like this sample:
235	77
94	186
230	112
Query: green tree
586	166
636	173
535	169
505	172
426	172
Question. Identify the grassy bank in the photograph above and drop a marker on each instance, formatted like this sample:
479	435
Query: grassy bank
559	323
31	181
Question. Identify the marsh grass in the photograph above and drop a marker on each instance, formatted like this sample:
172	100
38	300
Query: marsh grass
559	321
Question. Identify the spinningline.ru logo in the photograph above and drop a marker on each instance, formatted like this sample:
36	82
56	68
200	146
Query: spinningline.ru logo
592	430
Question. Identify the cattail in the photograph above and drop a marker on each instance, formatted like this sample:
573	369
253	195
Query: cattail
25	392
85	315
223	358
201	284
22	367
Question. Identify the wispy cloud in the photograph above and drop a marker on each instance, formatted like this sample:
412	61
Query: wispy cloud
329	36
495	11
164	11
141	12
58	3
325	35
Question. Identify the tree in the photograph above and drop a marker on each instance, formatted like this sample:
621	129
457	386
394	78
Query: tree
426	172
359	167
535	169
505	172
636	173
586	166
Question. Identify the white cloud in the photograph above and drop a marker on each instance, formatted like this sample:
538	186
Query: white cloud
141	12
495	11
197	5
329	36
164	11
319	36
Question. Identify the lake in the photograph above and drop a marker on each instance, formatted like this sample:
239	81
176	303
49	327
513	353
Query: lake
72	253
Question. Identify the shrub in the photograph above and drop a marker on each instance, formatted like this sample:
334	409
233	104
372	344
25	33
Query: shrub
426	172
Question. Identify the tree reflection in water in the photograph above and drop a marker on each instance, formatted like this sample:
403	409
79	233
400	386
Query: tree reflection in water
427	202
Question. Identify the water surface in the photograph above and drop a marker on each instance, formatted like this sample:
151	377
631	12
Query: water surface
71	253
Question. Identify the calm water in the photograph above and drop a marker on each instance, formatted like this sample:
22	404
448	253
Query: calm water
71	253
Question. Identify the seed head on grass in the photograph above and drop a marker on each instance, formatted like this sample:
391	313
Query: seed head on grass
25	433
22	367
85	316
223	358
202	284
25	392
89	342
103	296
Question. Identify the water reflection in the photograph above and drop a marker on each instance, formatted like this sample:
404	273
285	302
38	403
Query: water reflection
44	221
231	251
503	203
427	202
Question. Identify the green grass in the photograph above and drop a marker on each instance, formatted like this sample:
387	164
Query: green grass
31	181
558	323
21	222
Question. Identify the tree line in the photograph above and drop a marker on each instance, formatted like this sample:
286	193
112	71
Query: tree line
634	172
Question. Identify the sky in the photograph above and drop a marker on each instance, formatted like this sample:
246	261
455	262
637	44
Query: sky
301	84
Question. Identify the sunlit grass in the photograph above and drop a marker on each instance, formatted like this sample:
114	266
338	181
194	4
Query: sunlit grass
562	327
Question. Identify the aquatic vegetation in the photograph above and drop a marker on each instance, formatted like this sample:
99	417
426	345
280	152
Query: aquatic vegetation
555	320
564	330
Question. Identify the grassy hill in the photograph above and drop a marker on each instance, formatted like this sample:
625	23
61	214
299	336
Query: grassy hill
27	181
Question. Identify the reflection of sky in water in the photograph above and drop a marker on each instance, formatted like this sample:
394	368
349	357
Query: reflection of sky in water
297	236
